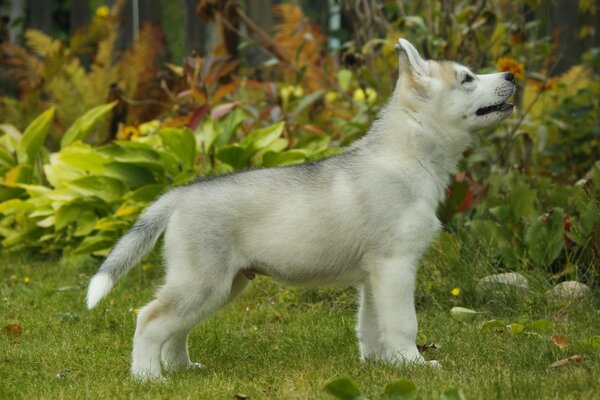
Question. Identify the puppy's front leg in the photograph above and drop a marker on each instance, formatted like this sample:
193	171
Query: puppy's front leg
393	284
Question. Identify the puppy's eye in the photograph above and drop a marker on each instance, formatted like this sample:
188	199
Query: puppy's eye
467	78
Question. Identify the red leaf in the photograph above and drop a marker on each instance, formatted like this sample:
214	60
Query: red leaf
559	341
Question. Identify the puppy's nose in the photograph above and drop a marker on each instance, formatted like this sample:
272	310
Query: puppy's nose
509	77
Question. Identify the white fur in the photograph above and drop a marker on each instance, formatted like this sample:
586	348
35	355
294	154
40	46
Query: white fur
361	218
99	286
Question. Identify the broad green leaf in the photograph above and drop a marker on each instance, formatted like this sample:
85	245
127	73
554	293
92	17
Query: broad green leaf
34	136
234	155
262	137
515	328
15	206
6	159
84	157
83	125
493	324
108	189
46	222
132	175
139	154
110	224
453	394
85	223
462	314
146	193
544	238
343	389
274	159
540	326
403	389
228	125
521	199
181	144
21	173
7	193
66	214
95	243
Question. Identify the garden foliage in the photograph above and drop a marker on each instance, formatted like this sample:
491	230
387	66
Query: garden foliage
92	136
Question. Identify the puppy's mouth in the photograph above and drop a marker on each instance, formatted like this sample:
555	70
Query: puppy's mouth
502	107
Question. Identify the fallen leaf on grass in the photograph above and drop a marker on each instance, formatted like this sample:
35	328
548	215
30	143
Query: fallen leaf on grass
575	360
462	314
559	341
13	329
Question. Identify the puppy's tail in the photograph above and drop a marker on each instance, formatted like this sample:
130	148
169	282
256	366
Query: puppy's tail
130	249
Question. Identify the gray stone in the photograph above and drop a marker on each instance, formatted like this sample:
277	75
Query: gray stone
569	291
504	282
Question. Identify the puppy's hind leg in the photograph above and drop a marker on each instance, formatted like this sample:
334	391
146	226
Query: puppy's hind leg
175	350
367	328
163	325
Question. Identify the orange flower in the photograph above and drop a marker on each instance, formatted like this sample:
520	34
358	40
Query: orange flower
507	64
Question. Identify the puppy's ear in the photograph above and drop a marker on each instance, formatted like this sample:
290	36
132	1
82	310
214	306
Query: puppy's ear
409	58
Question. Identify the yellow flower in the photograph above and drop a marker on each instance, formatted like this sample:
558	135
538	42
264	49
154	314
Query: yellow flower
331	96
298	91
455	292
371	95
102	11
13	277
507	64
26	279
359	96
128	132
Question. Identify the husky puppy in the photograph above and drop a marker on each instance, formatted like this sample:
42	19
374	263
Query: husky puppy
363	217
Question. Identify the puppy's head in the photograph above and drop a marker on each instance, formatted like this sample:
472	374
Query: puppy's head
449	93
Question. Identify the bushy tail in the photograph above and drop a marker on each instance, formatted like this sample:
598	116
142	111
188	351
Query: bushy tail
130	249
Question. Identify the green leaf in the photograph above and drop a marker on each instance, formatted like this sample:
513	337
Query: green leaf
95	243
83	125
540	326
274	159
234	155
86	222
146	193
67	214
403	389
343	388
521	200
6	159
181	144
493	324
544	238
262	137
133	175
110	190
34	136
453	394
515	328
139	154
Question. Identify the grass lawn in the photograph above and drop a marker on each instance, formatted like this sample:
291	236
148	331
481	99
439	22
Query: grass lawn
278	343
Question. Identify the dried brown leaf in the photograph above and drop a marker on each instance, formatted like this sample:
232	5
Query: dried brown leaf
559	341
13	329
574	360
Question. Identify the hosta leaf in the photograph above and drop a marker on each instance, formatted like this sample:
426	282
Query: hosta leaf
34	136
544	238
139	154
108	189
94	243
67	214
85	223
181	144
84	124
132	175
21	173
